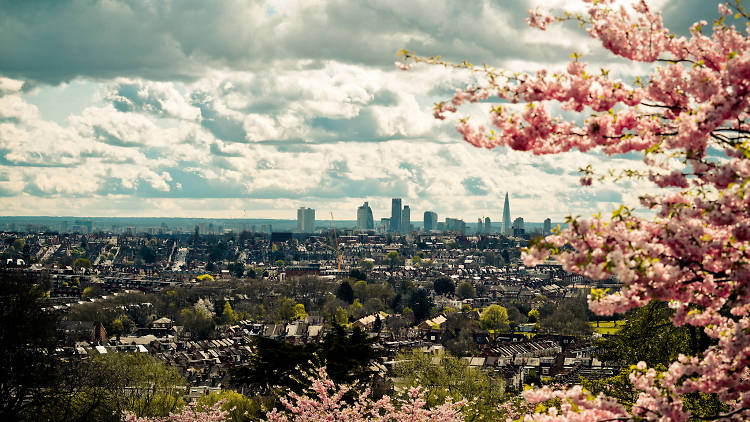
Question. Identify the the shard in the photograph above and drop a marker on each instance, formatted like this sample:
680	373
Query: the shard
506	217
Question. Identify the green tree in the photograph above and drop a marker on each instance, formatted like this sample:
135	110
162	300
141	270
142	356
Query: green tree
465	290
451	377
240	408
81	263
345	292
421	304
198	323
27	345
228	315
394	259
341	316
495	317
299	311
444	286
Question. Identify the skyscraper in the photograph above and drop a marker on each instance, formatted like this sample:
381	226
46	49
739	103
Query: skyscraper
480	226
507	229
300	219
395	224
487	225
364	217
547	227
518	229
430	221
405	220
305	220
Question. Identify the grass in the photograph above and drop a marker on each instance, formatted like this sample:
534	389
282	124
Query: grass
607	327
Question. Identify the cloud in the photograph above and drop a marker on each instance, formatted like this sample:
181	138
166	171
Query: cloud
205	108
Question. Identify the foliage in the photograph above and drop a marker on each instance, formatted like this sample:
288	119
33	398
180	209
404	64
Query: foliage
567	317
495	317
357	274
237	269
239	408
689	120
197	322
228	315
107	387
81	263
192	413
299	311
205	277
466	290
276	363
444	286
27	342
447	376
147	254
421	304
345	292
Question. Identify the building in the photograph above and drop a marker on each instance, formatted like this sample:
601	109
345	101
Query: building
518	229
395	223
430	221
305	220
507	229
487	225
364	217
547	228
455	225
480	226
385	225
405	219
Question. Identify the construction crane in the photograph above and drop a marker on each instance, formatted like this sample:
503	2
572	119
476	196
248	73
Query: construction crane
339	255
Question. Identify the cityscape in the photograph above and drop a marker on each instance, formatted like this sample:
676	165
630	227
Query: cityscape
505	211
305	223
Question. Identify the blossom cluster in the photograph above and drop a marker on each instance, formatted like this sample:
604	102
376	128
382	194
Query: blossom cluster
695	252
325	402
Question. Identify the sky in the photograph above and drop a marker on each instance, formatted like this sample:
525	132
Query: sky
251	109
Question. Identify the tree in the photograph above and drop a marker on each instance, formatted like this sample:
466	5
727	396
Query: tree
81	263
27	345
345	292
237	269
299	311
688	118
322	401
147	254
239	408
357	274
228	315
451	377
465	290
495	317
421	304
444	286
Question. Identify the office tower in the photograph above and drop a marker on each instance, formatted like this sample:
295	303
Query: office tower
507	229
309	220
518	229
395	223
455	225
364	217
430	221
487	225
405	220
547	227
385	224
480	226
305	220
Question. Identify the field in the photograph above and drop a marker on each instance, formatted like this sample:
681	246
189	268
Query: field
607	327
